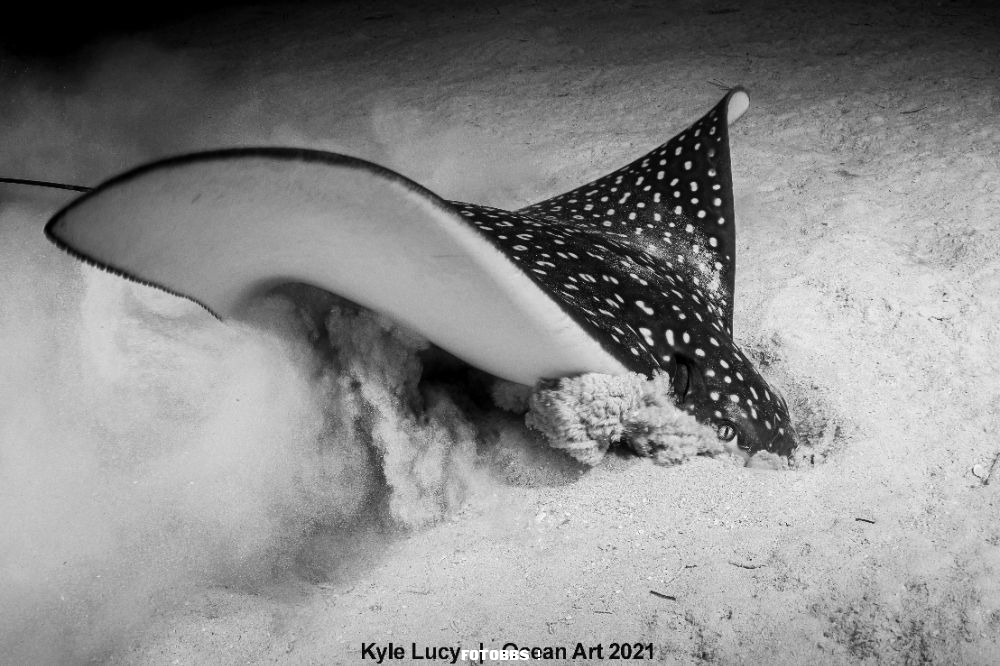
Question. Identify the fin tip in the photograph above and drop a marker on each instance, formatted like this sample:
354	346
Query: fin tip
736	105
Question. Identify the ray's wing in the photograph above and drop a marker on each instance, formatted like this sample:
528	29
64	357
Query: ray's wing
677	199
555	289
221	227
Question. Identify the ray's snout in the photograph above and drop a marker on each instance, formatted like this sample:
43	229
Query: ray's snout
766	425
784	444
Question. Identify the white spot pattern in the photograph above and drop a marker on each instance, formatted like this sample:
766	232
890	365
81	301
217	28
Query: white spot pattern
623	274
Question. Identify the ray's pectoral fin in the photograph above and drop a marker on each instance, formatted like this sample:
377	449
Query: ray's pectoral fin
678	196
222	227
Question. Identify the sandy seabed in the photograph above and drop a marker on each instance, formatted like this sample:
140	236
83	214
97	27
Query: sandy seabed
177	491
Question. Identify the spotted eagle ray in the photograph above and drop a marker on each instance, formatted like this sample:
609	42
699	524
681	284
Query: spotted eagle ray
633	272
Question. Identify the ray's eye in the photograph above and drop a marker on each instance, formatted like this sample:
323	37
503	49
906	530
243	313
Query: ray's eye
726	431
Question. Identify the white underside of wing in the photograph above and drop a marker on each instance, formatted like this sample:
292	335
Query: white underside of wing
221	230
